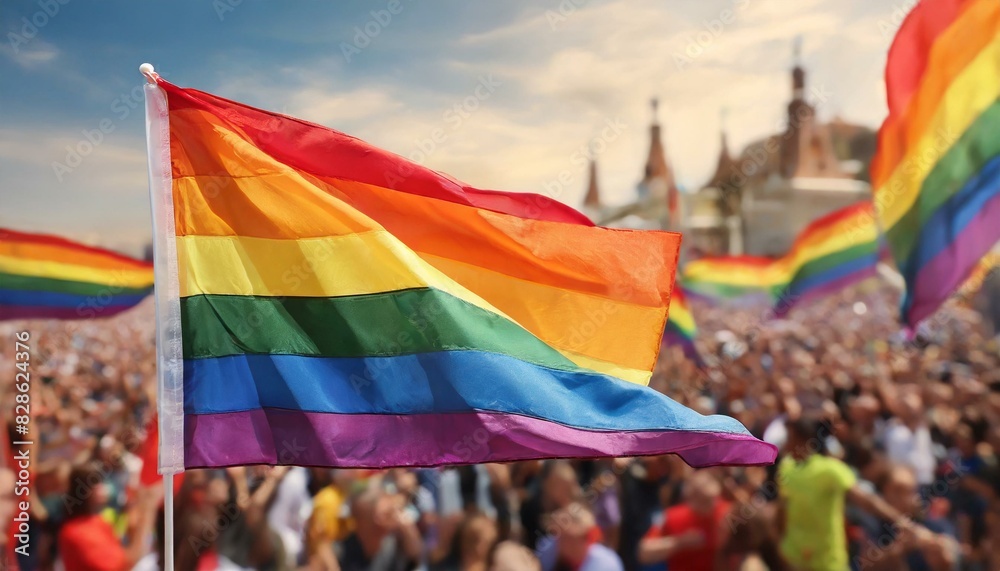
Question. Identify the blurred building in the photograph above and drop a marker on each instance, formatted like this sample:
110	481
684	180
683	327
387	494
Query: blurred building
757	201
658	202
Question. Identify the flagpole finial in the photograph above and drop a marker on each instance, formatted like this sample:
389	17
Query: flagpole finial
147	70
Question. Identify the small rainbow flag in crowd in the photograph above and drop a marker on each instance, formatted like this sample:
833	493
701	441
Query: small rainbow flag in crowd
347	307
717	278
681	328
834	251
936	175
47	277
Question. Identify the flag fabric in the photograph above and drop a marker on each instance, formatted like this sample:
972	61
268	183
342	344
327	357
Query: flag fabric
720	278
831	253
47	277
987	265
681	327
338	305
148	452
936	174
908	59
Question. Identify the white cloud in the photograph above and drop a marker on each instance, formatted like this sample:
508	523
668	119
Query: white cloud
608	59
561	80
31	54
105	194
329	107
564	76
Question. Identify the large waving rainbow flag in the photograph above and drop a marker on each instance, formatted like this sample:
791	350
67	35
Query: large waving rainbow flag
834	251
47	277
328	303
936	176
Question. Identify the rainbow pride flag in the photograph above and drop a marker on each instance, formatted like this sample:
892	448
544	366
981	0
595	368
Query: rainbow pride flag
908	54
980	274
936	175
333	304
834	251
681	328
716	278
47	277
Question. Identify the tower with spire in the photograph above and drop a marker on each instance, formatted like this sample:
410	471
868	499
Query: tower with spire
806	148
714	224
657	204
658	182
723	178
592	205
757	202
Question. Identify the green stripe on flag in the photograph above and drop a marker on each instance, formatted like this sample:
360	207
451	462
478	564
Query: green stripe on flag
33	283
385	324
977	145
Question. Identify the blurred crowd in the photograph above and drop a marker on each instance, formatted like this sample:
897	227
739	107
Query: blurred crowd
890	460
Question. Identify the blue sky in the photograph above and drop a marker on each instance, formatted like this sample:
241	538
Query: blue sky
558	72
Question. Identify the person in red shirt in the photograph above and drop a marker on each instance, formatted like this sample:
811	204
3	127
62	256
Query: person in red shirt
8	503
86	541
690	535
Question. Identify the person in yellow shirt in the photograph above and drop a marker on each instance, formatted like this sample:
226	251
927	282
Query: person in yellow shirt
813	489
330	519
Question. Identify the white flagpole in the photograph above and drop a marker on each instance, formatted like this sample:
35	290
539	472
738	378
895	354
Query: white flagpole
169	352
168	522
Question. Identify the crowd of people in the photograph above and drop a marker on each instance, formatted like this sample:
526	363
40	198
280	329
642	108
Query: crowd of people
890	459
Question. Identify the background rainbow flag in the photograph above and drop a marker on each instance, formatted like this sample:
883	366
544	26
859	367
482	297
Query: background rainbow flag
720	278
378	313
681	327
45	276
834	251
936	175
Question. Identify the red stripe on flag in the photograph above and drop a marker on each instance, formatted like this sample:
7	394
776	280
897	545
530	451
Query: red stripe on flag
910	51
359	161
8	235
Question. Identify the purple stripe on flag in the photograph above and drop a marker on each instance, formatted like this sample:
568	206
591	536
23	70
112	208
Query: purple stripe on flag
784	305
940	277
671	337
273	436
